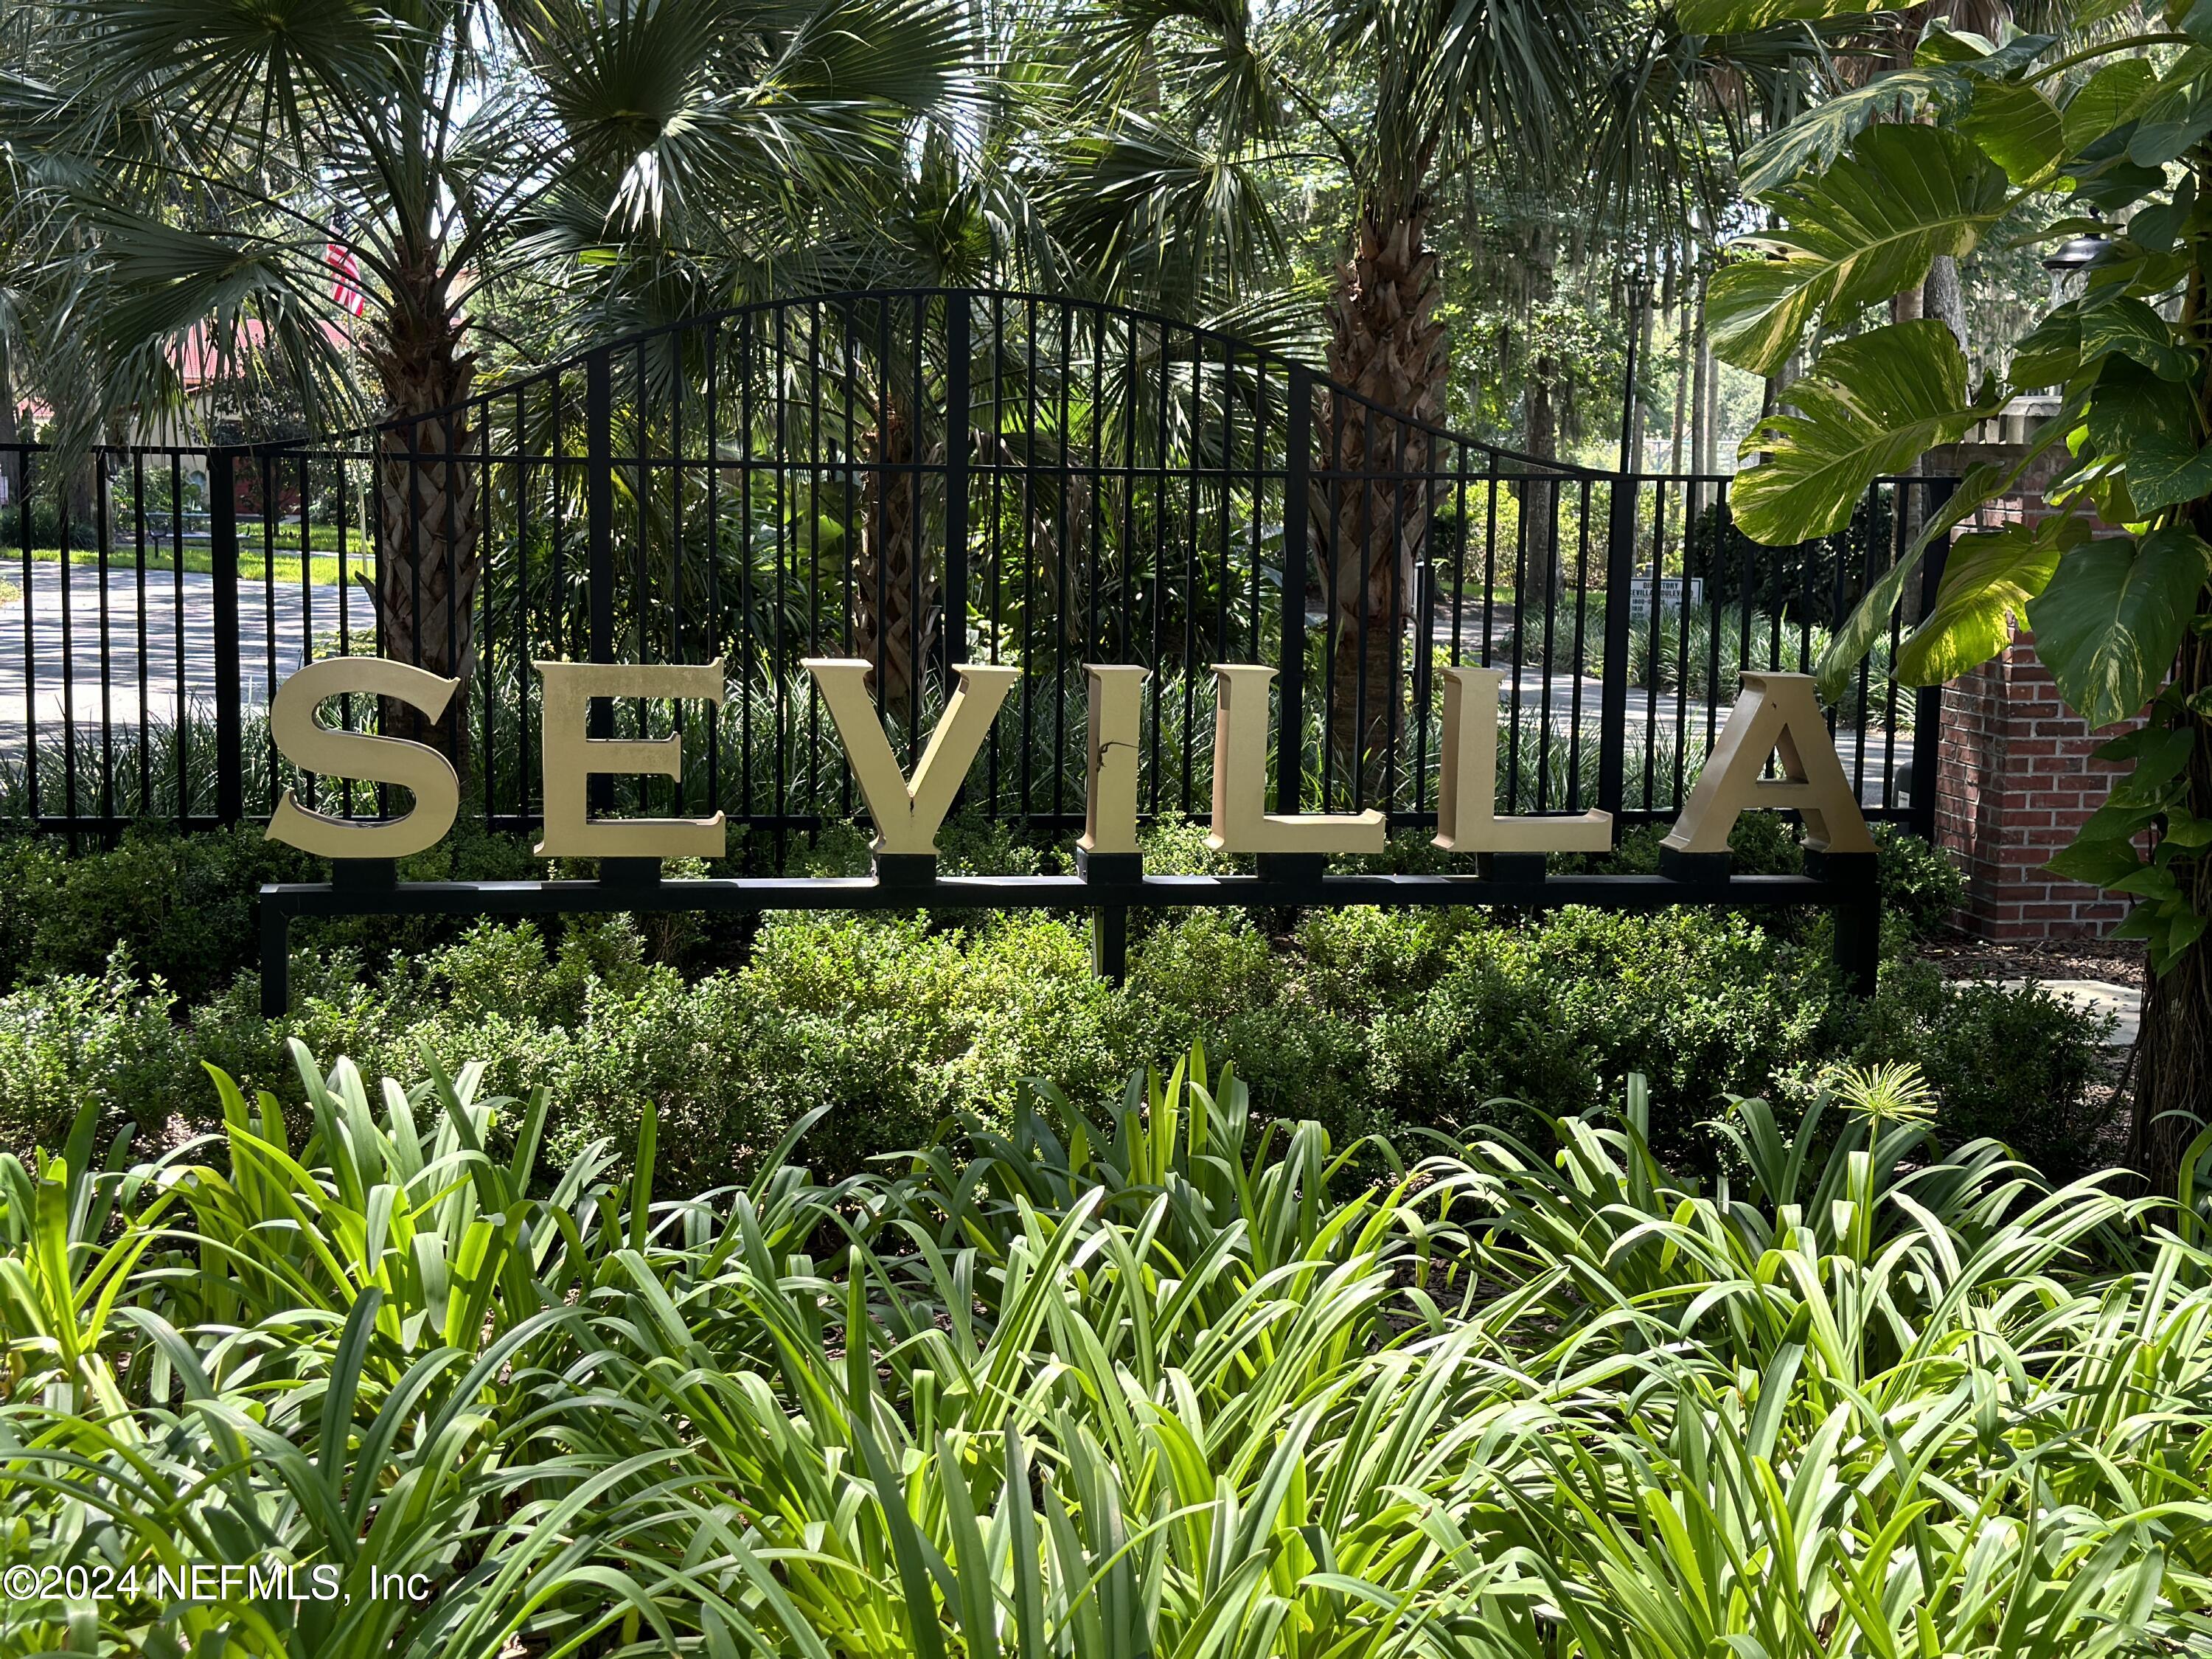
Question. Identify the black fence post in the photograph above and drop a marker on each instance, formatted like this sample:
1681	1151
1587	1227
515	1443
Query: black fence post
1854	881
1110	942
229	693
1613	693
956	481
1928	701
1290	680
600	546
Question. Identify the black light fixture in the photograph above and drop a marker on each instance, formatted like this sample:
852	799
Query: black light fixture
2078	254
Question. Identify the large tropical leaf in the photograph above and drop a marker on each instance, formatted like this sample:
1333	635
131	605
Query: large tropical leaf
2017	127
2109	624
2129	327
1817	137
2112	95
1865	229
1987	584
1744	16
1869	405
2139	419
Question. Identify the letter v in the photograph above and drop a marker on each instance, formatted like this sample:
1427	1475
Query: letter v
908	815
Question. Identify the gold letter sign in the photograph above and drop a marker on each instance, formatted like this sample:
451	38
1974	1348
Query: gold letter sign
570	758
1777	714
316	748
1109	814
907	815
1467	792
1241	822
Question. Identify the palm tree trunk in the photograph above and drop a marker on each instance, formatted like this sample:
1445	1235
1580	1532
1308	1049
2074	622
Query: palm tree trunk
1636	422
889	628
2173	1086
1371	519
1540	497
428	506
1941	295
1704	433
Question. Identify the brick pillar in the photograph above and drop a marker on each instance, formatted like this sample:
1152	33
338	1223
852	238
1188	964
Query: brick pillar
2016	775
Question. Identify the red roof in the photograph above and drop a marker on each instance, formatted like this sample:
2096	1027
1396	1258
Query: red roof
199	360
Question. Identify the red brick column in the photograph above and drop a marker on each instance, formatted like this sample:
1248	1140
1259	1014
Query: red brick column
2016	776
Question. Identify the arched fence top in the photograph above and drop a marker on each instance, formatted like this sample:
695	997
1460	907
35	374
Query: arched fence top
1198	346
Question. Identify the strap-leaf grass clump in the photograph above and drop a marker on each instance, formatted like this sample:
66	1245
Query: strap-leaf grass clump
1173	1381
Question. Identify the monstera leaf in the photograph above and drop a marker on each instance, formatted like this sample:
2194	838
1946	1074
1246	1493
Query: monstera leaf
1869	405
1987	582
1865	229
2109	624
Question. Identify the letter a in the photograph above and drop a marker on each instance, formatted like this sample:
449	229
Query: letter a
907	815
1777	714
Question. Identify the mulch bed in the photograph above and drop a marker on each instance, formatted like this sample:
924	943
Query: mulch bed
2118	960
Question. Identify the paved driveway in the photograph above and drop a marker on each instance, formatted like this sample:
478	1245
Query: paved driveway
104	670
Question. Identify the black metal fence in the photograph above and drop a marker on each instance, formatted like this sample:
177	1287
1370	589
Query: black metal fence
921	479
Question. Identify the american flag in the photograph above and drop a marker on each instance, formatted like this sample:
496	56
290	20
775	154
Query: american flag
345	287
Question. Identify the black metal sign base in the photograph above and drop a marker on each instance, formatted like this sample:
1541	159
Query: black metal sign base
1108	886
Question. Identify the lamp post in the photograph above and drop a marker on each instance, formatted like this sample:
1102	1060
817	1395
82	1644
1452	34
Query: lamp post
1638	284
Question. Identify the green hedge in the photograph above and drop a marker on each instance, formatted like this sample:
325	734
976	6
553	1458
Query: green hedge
182	906
1363	1019
126	962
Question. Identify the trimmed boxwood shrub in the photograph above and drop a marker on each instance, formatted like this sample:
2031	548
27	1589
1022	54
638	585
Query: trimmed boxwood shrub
1366	1020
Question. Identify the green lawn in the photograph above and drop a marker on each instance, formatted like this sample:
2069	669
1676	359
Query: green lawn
253	561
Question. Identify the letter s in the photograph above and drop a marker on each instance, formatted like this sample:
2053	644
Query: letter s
316	748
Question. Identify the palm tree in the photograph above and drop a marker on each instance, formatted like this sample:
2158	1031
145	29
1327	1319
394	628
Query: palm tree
203	158
1451	81
1403	99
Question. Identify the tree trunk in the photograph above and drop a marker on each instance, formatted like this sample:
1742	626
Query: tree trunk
1682	344
12	469
1708	438
427	505
1635	411
888	629
1386	346
1941	296
2173	1064
1540	498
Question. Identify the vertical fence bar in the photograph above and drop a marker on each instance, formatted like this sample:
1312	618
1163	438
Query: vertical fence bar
1298	458
24	471
1612	690
599	545
103	532
954	643
1928	701
222	559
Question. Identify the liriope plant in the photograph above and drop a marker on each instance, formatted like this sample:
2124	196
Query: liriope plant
1176	1380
